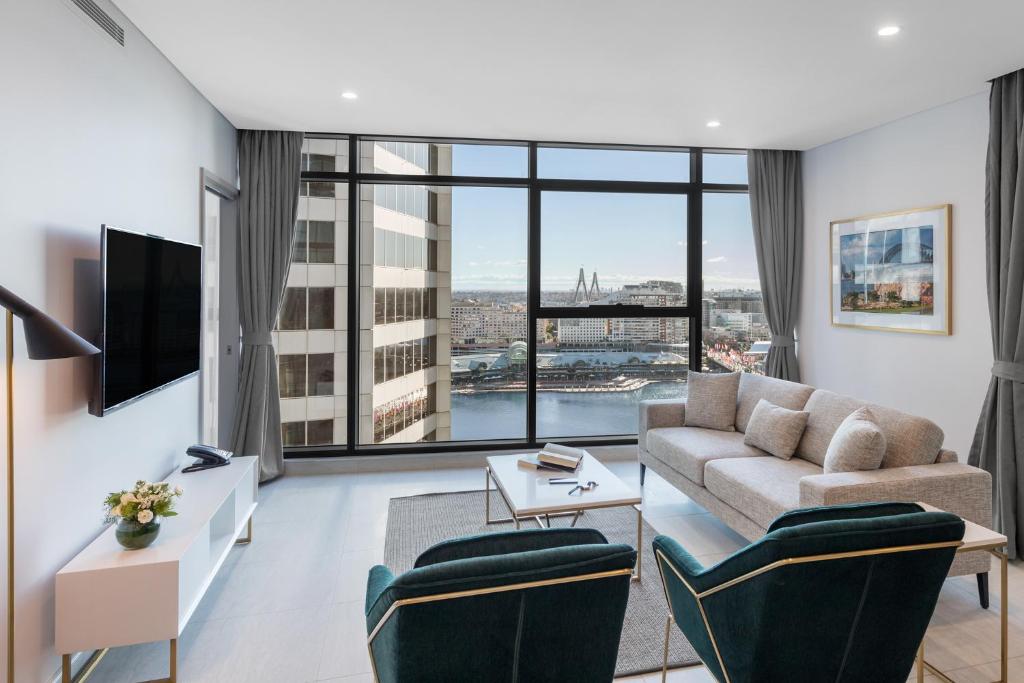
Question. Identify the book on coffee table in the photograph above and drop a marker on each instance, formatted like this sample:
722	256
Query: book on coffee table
561	456
532	462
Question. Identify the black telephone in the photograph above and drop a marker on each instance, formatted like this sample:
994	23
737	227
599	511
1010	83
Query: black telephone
209	457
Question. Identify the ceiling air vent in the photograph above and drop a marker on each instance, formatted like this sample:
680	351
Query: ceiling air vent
102	19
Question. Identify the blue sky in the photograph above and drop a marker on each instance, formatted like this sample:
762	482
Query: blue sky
626	238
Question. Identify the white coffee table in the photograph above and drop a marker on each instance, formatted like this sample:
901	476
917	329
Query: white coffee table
529	496
979	539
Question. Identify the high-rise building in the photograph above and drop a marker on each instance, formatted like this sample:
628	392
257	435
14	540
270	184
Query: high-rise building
405	297
707	308
311	335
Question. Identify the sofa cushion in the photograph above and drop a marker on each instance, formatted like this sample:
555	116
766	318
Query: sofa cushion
858	444
688	449
711	400
774	429
760	488
781	392
910	440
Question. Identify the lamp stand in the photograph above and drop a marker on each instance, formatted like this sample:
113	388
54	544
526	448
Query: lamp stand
10	496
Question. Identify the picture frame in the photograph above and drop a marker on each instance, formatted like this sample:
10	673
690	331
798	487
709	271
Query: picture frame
893	271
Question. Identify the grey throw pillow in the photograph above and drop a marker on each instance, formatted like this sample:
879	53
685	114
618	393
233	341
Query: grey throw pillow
858	444
775	429
711	400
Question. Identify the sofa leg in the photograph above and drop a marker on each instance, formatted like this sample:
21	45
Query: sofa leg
643	475
983	589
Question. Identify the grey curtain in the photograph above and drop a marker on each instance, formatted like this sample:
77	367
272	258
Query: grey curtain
268	168
777	213
999	439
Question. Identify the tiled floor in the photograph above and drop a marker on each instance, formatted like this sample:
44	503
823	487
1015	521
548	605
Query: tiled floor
289	607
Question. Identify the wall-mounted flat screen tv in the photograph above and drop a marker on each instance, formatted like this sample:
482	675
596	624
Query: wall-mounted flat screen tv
152	310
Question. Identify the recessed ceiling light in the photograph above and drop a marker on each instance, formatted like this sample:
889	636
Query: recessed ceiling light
349	95
714	124
887	31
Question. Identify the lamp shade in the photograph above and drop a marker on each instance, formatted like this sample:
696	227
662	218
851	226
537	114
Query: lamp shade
45	338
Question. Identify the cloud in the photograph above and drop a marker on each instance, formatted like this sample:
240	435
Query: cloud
497	264
716	259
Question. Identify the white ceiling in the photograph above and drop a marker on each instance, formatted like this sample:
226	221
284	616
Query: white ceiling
777	73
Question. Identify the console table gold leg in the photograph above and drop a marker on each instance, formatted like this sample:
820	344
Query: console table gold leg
173	663
90	666
920	662
87	669
247	539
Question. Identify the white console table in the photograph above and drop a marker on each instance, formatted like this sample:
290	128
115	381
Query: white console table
109	597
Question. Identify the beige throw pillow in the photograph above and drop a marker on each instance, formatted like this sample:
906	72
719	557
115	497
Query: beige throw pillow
775	429
858	444
711	400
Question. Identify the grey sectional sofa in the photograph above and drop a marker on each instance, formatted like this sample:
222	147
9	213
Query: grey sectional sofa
747	488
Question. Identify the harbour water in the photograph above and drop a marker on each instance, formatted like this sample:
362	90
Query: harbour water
502	414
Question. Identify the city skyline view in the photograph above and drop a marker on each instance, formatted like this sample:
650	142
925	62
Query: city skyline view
442	315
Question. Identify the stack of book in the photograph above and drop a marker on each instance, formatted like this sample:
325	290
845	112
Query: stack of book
554	458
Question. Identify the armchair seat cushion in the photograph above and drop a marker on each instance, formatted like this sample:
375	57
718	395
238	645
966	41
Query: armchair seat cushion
760	488
689	449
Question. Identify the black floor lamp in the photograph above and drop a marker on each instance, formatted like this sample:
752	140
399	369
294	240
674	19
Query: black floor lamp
45	339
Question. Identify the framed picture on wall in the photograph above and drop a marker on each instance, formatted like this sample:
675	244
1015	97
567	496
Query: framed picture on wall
893	271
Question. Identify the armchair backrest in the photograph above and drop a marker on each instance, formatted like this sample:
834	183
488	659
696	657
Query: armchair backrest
553	613
845	598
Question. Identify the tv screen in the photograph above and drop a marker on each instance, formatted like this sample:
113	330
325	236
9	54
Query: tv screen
152	308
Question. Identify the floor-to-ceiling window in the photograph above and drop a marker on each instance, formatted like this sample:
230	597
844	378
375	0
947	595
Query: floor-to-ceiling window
735	332
508	292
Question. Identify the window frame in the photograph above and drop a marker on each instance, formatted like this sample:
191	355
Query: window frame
694	189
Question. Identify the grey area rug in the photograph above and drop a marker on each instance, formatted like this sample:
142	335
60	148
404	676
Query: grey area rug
417	522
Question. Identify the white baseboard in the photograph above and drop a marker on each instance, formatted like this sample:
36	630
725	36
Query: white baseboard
425	461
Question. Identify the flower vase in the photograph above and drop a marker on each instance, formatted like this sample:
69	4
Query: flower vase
134	535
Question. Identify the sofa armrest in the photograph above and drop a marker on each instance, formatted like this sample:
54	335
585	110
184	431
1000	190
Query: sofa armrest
951	486
655	413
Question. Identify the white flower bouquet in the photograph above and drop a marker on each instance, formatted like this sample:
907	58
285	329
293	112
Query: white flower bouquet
143	503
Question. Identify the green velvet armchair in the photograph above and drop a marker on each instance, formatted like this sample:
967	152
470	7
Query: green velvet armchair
535	605
840	593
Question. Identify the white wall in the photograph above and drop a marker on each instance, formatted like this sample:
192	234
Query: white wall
935	157
90	133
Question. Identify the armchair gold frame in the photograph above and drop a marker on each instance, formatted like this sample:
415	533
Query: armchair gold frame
481	591
698	597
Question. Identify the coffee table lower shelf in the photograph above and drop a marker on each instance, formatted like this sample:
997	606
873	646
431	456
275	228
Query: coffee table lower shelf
543	519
